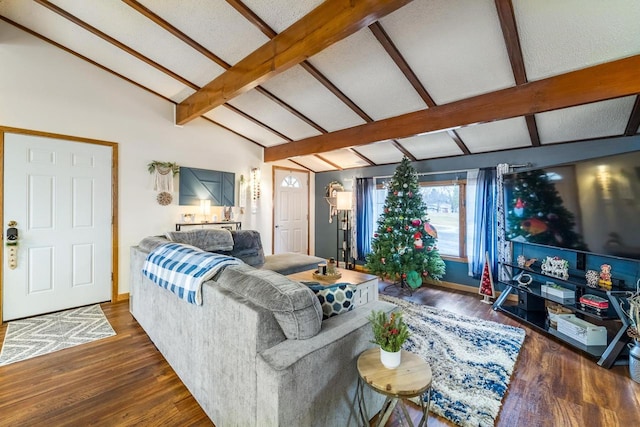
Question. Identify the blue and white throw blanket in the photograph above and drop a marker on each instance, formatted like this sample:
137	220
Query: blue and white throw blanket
182	269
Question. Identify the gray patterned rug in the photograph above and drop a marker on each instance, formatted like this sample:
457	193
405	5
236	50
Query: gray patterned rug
471	360
45	334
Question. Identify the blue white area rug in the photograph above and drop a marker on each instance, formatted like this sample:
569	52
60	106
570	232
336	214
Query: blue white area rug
471	360
27	338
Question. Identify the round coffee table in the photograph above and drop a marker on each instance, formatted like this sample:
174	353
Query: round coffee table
411	379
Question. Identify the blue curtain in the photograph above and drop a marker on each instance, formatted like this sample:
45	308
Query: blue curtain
364	219
486	226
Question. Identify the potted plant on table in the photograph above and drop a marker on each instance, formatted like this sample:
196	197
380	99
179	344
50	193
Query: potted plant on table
389	332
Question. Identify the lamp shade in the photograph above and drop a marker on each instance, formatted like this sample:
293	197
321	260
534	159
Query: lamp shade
205	206
343	202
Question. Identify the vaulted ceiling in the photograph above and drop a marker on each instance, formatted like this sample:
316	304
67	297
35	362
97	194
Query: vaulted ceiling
350	83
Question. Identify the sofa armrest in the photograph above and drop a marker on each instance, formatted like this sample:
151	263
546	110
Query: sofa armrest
288	352
313	382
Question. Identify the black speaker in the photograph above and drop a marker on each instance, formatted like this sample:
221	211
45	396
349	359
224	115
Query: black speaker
581	261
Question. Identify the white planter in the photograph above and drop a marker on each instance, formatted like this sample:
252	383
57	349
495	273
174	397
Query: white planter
390	359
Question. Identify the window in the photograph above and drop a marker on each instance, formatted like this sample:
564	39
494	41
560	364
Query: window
290	181
445	202
445	208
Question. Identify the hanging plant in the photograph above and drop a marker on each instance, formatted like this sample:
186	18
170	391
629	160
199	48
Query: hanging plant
163	167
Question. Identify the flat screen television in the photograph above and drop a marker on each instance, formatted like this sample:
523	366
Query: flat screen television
591	205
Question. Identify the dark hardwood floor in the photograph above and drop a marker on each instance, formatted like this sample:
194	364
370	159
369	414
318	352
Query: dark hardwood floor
124	381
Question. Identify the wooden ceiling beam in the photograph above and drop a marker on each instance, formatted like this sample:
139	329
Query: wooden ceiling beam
146	12
597	83
391	49
330	22
362	156
215	58
52	7
633	125
509	27
306	65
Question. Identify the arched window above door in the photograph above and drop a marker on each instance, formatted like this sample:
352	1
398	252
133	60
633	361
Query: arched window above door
290	181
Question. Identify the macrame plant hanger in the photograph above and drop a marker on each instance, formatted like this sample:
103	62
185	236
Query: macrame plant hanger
163	173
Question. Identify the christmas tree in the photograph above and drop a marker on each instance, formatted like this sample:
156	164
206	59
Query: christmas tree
486	281
536	214
404	247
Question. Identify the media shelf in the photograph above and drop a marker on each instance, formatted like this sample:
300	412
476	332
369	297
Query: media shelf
531	309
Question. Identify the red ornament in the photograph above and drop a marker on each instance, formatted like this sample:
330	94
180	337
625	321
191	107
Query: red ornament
375	234
388	229
425	273
404	275
410	194
406	227
416	222
395	193
386	210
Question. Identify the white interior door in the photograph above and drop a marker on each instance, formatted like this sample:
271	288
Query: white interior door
291	212
59	193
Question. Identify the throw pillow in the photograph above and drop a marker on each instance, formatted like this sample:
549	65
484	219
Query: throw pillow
335	299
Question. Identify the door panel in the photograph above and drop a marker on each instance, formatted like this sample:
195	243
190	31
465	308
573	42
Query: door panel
59	192
291	216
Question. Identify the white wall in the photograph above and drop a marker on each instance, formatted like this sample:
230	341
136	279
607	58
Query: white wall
43	88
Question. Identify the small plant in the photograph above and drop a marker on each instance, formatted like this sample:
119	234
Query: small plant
634	316
388	332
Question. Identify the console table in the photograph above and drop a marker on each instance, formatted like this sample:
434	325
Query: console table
224	224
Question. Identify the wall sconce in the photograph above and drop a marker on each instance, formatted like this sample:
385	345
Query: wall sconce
255	184
603	176
205	209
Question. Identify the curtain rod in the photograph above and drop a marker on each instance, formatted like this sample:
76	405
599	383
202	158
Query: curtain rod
428	173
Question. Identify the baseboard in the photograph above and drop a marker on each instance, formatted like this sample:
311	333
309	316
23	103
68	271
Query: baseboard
122	297
451	285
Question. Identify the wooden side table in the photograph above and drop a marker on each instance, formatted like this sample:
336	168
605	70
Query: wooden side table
411	379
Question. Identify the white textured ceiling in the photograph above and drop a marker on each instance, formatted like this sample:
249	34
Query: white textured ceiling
359	66
599	119
455	48
300	90
432	145
561	36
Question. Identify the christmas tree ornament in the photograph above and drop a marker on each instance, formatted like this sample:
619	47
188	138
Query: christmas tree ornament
428	228
388	229
416	222
406	227
410	194
405	185
518	208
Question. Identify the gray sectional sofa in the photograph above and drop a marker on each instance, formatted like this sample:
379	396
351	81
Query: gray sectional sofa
256	352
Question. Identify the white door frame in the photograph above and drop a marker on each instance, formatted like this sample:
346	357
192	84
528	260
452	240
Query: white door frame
273	204
114	199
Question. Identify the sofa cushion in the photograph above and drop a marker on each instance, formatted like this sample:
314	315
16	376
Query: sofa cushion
335	299
210	240
148	244
247	246
290	262
294	305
